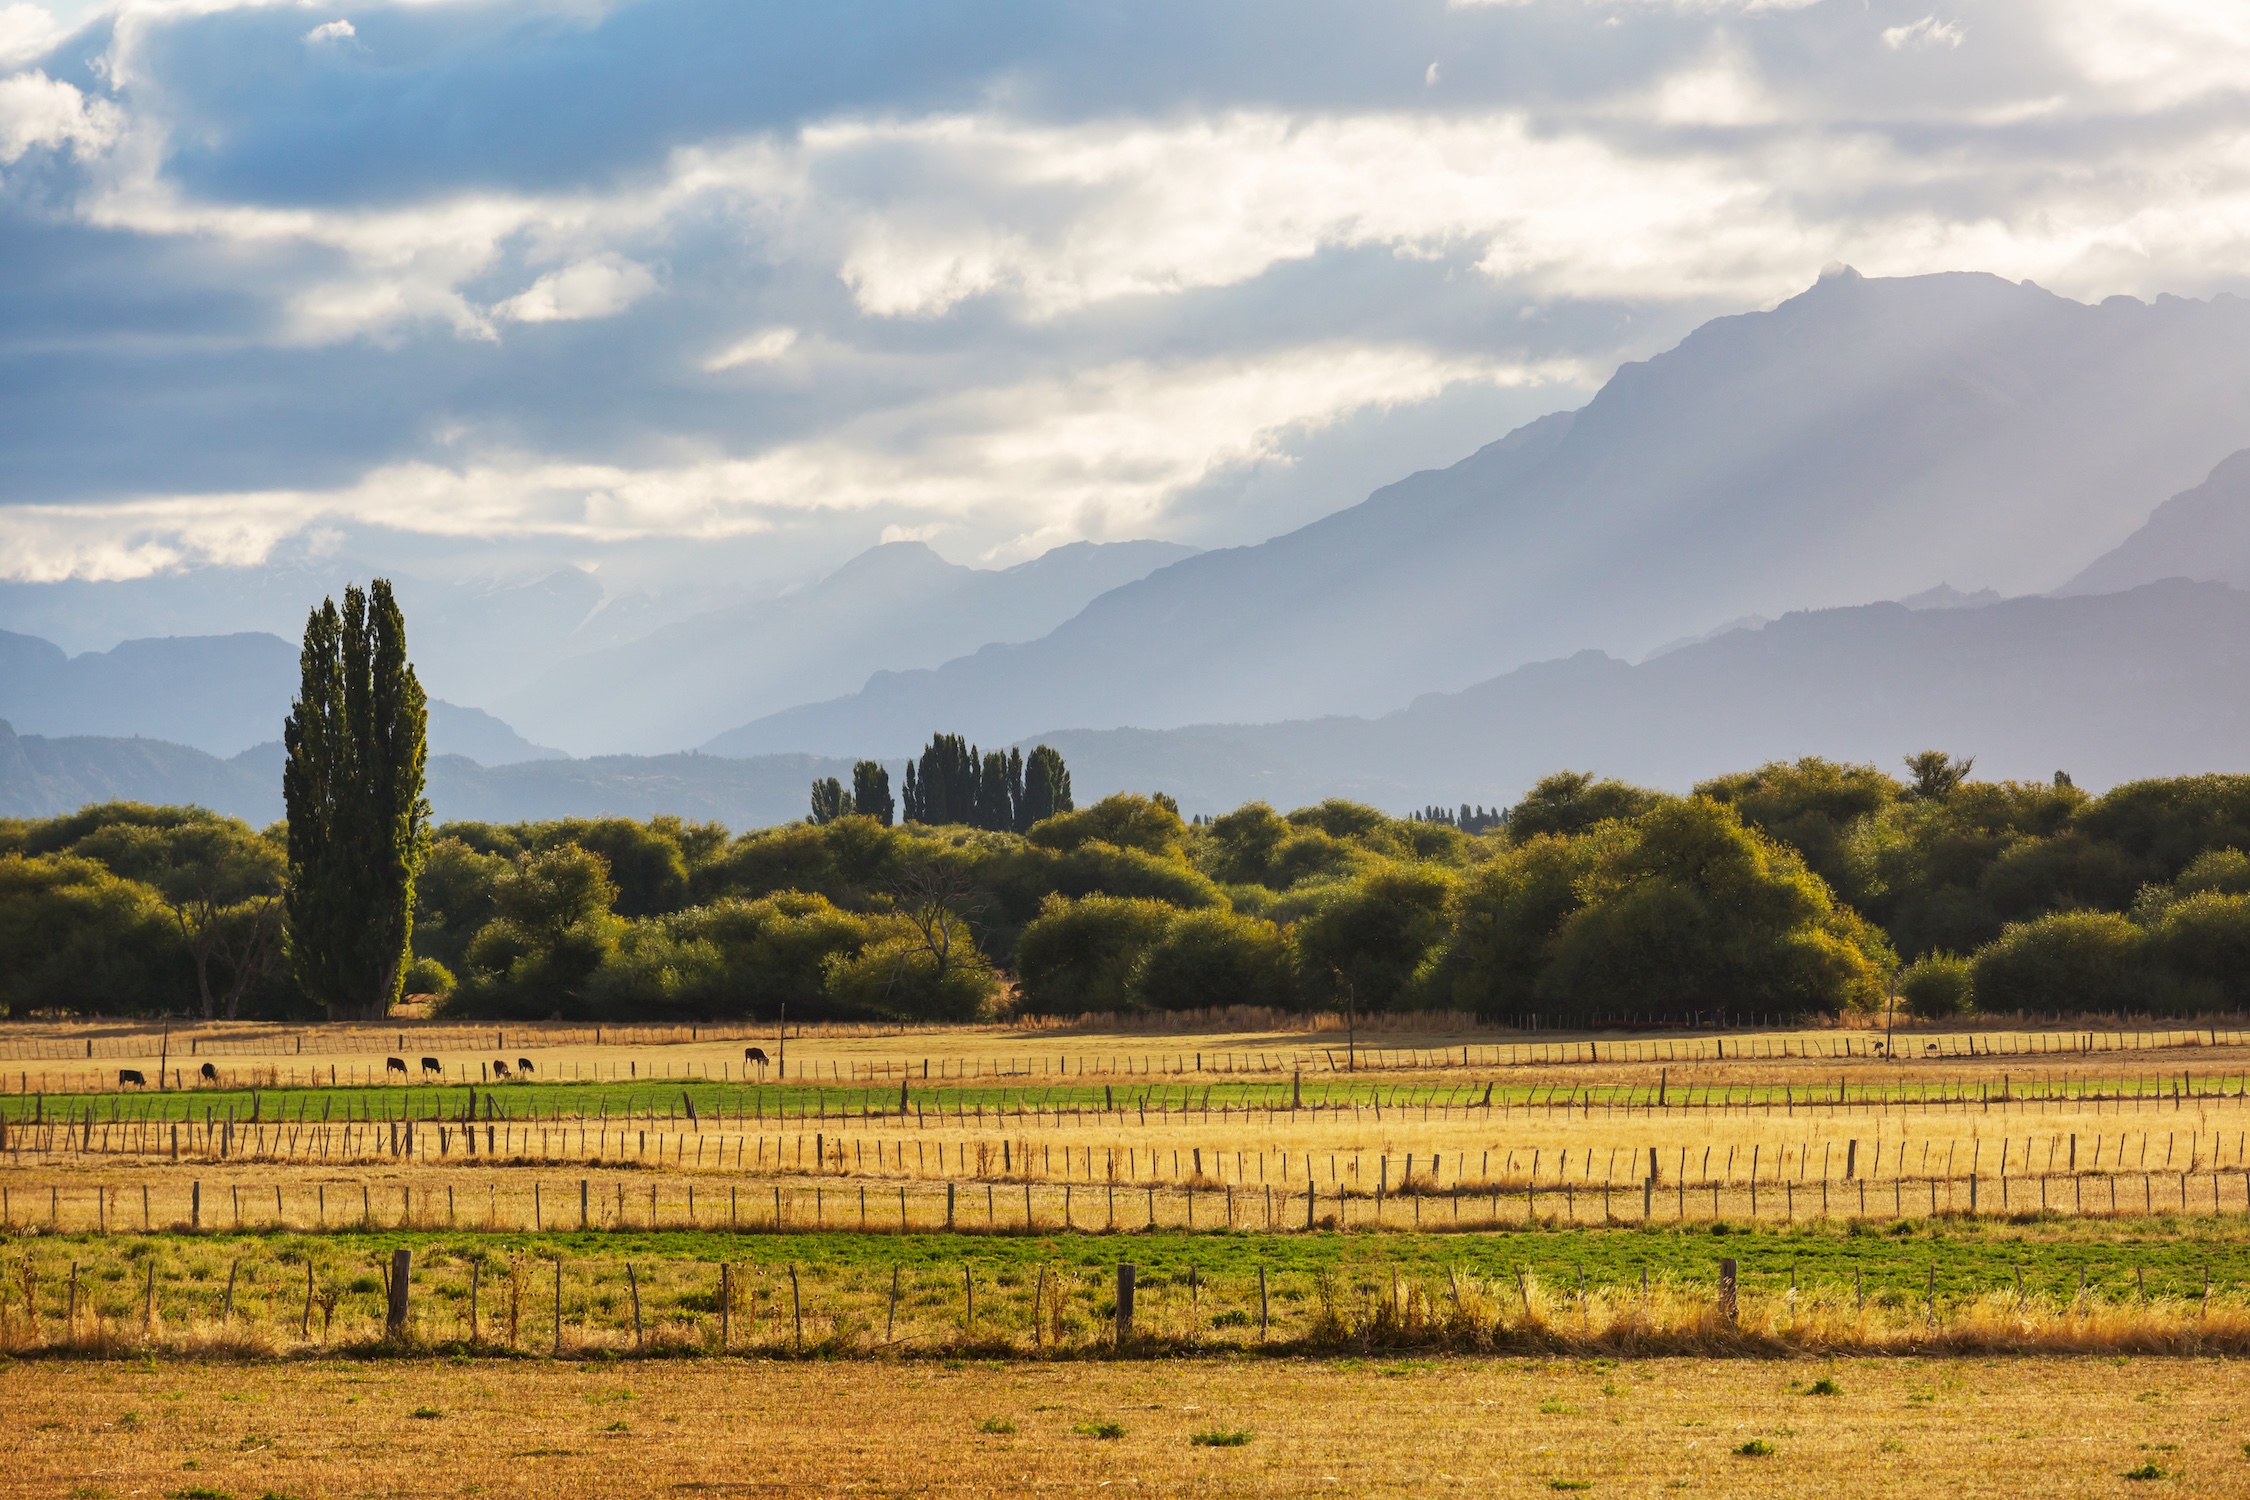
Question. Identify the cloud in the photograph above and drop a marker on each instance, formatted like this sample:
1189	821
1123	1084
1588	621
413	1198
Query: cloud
37	111
1927	32
1103	453
1020	284
599	287
762	347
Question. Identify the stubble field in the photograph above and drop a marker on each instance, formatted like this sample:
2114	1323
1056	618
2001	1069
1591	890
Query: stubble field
1898	1429
896	1270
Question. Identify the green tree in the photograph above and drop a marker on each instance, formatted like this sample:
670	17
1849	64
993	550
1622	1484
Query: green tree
1362	943
1081	956
555	928
2073	962
1046	788
1212	958
1696	913
1938	776
357	820
871	791
829	801
1572	802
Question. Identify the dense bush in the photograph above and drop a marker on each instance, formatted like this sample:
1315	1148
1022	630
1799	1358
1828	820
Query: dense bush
2072	961
1795	887
1938	985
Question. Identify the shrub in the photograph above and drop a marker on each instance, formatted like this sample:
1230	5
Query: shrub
1221	1437
1215	958
426	976
2073	961
1082	955
1938	985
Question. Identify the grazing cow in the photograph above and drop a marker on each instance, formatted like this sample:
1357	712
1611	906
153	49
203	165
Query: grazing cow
393	1065
523	1065
209	1073
432	1065
1929	1046
500	1067
754	1055
131	1076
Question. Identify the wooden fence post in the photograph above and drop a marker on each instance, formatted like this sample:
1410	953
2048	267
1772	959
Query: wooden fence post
1125	1274
726	1303
394	1321
633	1283
559	1300
1262	1301
797	1307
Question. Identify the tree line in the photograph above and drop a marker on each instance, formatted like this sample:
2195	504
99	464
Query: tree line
1797	888
1800	887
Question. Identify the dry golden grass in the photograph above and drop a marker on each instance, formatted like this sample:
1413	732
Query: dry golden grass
1896	1429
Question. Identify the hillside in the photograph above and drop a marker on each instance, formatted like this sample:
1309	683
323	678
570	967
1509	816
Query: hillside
2202	533
2150	682
1866	439
896	606
42	776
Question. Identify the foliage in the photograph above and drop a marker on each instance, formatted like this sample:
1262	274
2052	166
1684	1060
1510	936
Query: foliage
1938	985
357	821
2070	962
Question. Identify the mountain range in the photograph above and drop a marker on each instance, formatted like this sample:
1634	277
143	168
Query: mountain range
1670	581
1861	441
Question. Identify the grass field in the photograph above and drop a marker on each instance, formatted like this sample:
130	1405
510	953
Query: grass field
1897	1429
2146	1284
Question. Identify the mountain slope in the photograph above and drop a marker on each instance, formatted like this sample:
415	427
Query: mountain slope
1863	440
221	694
41	777
2202	533
2153	681
894	606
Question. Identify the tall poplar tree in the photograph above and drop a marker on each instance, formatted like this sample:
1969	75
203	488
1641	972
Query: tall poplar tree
358	825
1046	786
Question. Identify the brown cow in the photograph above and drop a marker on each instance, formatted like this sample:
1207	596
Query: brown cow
500	1067
432	1065
132	1076
393	1065
523	1065
755	1055
210	1074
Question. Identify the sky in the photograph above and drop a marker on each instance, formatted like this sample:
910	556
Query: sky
720	287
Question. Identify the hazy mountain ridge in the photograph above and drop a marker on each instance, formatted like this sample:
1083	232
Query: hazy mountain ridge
2148	682
1861	441
225	695
899	605
42	776
2201	533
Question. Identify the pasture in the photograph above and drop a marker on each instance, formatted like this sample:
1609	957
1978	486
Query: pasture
1373	1424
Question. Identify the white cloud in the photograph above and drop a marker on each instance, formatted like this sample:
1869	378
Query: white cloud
598	287
36	110
26	31
1100	454
2156	53
331	31
762	347
1927	32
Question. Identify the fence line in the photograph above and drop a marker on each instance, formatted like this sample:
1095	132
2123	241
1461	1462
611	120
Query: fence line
762	1205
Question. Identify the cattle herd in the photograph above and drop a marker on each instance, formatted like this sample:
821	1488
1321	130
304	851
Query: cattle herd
209	1072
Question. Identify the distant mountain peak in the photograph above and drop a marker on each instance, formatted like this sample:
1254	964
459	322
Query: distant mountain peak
1946	596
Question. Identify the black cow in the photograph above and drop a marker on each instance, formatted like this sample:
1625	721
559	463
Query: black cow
523	1065
393	1065
132	1076
432	1065
210	1074
755	1055
500	1067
